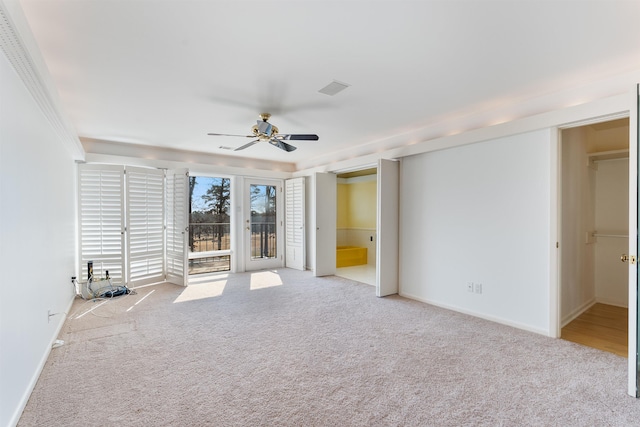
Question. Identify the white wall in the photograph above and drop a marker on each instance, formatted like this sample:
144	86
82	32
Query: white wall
612	218
37	240
577	269
360	210
480	213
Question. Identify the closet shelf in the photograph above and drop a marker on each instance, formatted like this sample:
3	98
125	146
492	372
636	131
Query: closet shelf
609	155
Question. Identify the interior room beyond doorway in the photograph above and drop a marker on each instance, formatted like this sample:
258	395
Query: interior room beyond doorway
594	234
356	234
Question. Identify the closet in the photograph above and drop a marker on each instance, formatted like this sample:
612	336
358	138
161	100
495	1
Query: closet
356	233
594	234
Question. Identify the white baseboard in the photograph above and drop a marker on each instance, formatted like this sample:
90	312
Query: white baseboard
614	302
577	312
495	319
43	360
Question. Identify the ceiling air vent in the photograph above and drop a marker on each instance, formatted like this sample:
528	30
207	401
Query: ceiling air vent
334	87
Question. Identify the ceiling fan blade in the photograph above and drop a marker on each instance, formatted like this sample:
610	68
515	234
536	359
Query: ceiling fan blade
247	145
281	144
299	137
226	134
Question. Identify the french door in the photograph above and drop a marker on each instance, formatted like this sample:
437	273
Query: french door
263	224
177	226
131	224
294	224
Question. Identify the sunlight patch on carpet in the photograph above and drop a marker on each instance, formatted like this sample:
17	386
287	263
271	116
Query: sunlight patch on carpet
265	279
140	300
201	291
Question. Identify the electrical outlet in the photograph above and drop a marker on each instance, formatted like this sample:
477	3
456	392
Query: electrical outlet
469	286
478	288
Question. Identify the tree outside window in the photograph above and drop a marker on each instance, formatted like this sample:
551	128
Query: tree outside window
209	220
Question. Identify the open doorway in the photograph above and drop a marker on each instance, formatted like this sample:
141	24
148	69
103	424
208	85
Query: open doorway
594	235
356	233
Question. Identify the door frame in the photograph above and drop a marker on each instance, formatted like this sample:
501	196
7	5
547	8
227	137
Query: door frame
634	137
555	318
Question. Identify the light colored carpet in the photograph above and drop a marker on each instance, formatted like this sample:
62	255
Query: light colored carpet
282	348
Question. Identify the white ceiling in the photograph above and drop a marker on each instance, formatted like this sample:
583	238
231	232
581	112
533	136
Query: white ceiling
165	73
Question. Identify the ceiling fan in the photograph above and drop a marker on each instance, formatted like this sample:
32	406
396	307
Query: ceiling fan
265	131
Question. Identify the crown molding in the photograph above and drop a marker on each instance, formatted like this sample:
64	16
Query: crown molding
17	44
104	151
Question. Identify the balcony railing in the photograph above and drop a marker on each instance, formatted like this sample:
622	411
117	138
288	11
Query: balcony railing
207	236
263	240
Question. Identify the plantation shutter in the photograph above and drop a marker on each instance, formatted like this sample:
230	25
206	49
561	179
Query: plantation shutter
145	225
176	199
101	220
294	230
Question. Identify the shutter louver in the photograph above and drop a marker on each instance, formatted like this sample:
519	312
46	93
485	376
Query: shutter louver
101	206
145	225
294	207
176	210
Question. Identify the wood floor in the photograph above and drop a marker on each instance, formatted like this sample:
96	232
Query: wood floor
603	327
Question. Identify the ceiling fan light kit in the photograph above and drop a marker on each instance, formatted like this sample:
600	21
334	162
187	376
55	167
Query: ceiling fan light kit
265	131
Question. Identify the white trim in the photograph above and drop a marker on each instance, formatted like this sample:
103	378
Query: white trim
198	163
22	53
554	233
208	254
594	120
605	107
609	301
475	314
577	312
557	107
22	403
632	99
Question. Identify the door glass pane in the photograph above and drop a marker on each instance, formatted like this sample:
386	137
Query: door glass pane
263	221
209	224
209	221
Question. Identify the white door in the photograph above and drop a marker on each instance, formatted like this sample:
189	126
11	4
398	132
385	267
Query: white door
145	194
101	221
294	223
387	225
177	223
325	203
634	326
263	224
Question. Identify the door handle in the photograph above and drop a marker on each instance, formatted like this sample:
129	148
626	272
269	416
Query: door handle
629	258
